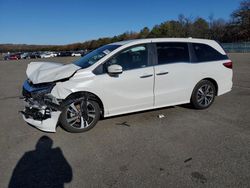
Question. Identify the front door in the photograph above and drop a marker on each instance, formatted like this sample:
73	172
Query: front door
131	90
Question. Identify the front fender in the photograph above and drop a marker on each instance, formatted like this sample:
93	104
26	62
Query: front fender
63	89
60	91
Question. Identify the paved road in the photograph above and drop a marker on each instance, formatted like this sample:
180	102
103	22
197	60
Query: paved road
187	148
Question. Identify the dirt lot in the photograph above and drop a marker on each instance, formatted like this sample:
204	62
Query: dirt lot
187	148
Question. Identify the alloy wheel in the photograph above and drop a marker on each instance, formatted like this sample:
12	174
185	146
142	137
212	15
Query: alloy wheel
205	95
75	117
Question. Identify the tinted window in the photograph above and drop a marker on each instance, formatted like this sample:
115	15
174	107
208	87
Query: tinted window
131	58
172	52
205	52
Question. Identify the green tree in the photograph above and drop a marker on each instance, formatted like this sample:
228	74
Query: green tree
241	21
144	33
155	32
200	28
217	29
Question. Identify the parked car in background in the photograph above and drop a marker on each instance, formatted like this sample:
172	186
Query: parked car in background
25	55
64	54
54	54
13	56
48	55
77	54
5	57
34	55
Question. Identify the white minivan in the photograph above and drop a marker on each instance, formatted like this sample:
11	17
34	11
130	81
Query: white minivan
125	77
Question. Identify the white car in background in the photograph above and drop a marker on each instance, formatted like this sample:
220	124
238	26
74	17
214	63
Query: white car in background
76	54
48	55
125	77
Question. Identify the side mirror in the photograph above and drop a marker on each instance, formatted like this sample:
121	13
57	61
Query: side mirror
115	69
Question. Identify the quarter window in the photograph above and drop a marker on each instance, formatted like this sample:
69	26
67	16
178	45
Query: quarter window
205	52
172	52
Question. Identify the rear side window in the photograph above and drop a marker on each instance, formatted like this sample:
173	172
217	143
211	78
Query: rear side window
205	52
172	52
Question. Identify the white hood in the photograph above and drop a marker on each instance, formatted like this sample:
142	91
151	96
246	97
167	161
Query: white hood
41	72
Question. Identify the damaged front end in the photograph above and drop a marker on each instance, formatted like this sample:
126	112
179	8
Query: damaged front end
41	109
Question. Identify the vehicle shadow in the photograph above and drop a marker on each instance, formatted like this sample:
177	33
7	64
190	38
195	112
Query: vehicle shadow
139	112
43	167
187	106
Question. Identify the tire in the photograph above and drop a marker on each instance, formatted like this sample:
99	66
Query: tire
72	120
203	95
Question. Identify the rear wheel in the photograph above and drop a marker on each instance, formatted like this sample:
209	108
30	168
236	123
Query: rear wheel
80	115
203	94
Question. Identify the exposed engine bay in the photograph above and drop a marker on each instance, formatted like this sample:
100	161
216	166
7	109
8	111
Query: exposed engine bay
41	109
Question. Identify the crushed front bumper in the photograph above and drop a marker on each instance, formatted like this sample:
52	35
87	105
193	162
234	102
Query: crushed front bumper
41	109
41	117
48	125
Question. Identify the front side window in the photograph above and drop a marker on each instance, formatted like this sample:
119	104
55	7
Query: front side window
172	52
94	56
131	58
205	52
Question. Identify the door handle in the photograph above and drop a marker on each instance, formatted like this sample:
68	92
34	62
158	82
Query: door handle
161	73
146	75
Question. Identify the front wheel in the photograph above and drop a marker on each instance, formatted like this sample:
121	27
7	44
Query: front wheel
80	115
203	94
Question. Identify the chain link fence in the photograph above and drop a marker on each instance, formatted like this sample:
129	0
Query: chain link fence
243	47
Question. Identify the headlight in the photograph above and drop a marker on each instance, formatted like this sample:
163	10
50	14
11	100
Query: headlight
36	90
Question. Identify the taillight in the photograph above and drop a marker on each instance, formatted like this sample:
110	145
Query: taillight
228	64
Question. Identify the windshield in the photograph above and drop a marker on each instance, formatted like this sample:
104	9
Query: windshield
92	57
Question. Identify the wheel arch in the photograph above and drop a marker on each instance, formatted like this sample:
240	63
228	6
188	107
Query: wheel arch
193	98
209	79
90	95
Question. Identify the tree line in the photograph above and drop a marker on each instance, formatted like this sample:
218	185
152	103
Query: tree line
236	29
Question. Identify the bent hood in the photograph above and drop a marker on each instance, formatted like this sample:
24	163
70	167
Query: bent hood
41	72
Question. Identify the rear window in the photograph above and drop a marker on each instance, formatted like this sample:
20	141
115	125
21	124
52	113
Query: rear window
172	52
205	52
